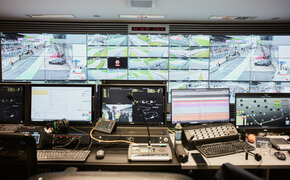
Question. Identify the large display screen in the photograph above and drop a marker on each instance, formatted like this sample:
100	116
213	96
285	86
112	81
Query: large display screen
248	63
263	110
114	103
200	106
74	103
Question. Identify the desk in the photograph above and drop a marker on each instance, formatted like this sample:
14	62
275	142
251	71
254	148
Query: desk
116	156
238	159
115	159
267	164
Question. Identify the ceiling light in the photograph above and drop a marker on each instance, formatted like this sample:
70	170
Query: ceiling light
233	17
51	15
142	3
142	16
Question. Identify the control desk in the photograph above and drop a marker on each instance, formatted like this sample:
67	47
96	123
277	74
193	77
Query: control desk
115	153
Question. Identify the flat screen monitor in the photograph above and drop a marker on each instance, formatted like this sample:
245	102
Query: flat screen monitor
114	104
12	103
263	111
73	102
133	82
200	106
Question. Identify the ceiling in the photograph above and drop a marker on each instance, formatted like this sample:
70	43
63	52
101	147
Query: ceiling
176	11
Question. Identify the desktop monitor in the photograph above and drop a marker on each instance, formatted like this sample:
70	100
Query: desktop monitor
74	102
134	82
263	111
113	103
200	106
12	103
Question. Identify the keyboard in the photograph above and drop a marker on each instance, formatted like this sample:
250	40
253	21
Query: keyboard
10	127
224	148
62	155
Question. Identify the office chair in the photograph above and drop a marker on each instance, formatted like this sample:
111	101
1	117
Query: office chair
229	172
17	156
109	175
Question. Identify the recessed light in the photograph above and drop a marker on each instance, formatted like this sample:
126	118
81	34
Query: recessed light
142	3
50	15
142	16
233	17
275	18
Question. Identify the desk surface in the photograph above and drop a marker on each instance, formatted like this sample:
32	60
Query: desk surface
270	162
117	158
238	159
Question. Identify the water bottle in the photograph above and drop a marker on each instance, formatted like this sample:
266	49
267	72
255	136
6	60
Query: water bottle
178	132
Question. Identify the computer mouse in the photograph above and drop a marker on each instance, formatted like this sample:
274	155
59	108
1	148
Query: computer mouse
280	155
100	154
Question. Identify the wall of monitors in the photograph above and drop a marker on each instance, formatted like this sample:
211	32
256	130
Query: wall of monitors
249	63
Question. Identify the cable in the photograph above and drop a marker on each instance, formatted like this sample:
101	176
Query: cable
170	131
79	141
106	141
61	146
90	139
83	132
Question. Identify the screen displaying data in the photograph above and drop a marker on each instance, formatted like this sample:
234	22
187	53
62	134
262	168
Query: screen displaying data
200	106
12	103
116	105
263	110
73	103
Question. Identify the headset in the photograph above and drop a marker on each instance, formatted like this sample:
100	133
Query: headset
257	156
60	126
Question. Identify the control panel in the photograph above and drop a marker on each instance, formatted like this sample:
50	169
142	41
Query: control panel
211	132
155	152
105	125
201	134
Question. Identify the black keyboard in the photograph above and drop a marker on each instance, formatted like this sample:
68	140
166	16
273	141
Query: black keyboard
224	148
9	127
62	155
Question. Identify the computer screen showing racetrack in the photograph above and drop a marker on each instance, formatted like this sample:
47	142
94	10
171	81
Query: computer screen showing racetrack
115	104
200	106
263	110
12	103
49	103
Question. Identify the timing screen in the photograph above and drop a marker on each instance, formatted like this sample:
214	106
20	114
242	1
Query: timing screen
53	103
199	106
116	105
11	104
262	112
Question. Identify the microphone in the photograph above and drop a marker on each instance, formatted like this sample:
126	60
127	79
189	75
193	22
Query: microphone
257	156
130	97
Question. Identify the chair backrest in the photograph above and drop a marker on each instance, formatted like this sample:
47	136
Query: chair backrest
228	172
108	175
17	156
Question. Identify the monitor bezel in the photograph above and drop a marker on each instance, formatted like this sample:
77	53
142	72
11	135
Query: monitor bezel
257	128
134	82
93	86
164	112
25	114
206	89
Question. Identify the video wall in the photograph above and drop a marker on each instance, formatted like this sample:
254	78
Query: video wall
242	63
